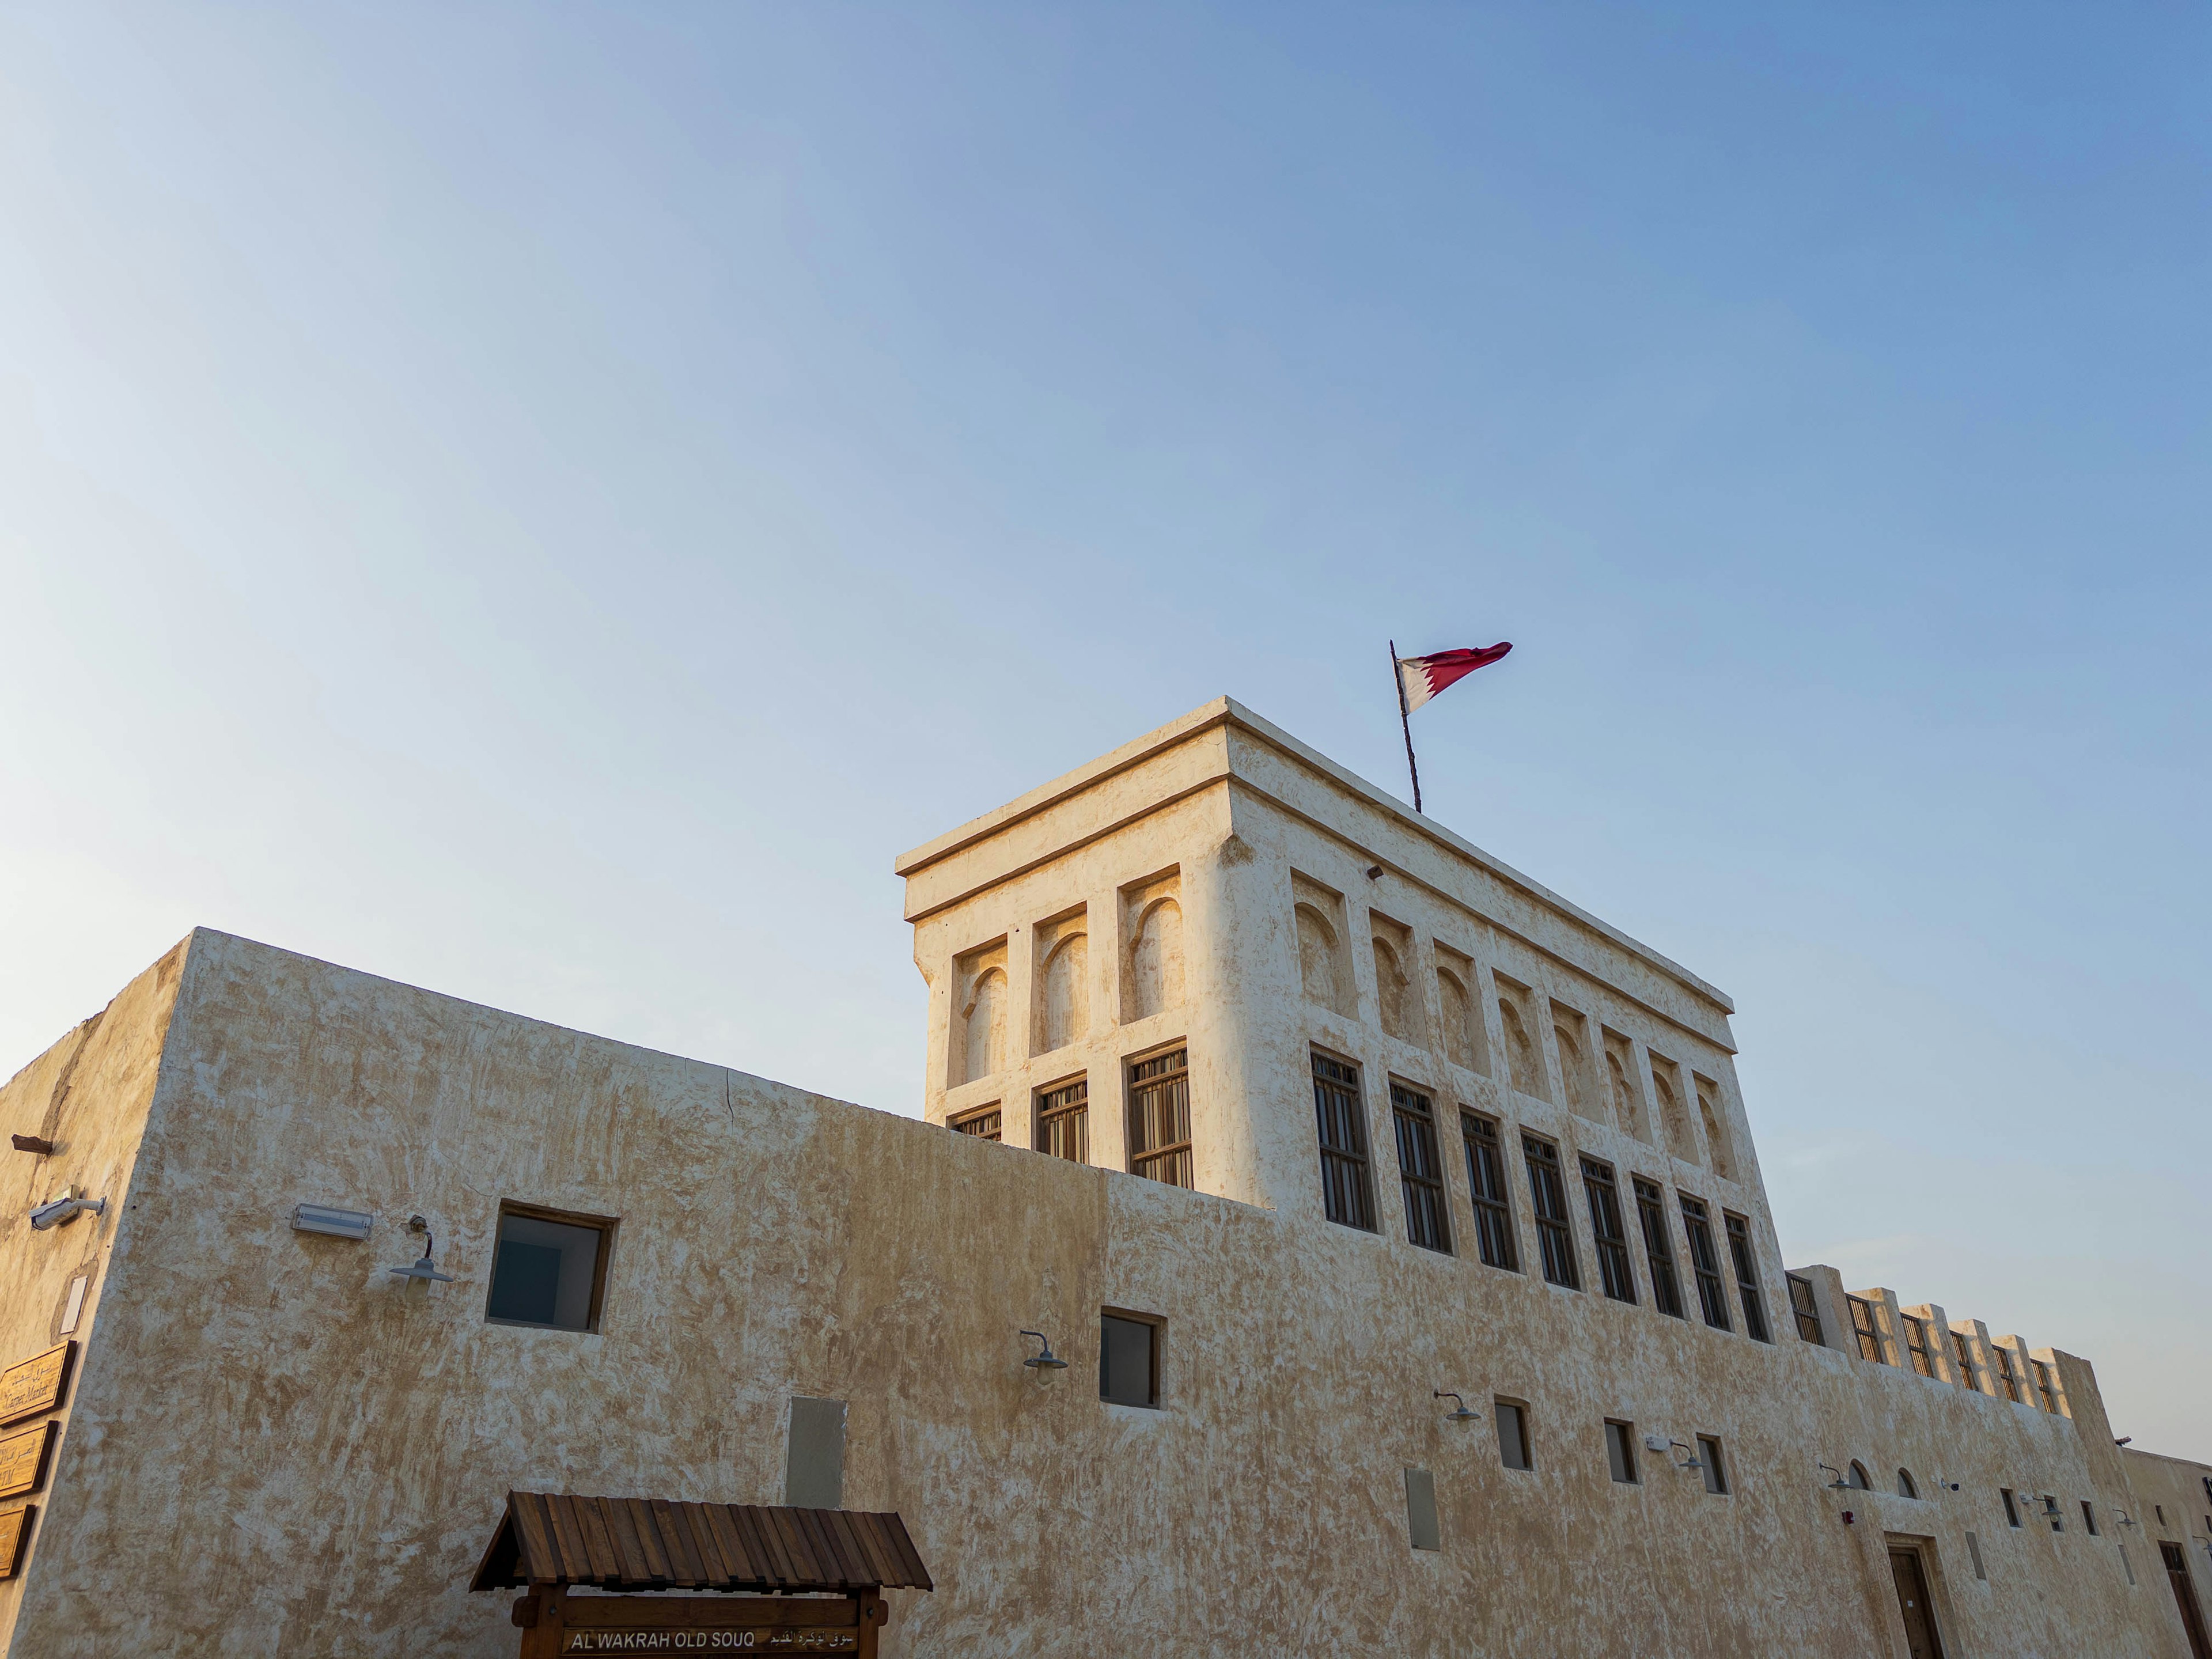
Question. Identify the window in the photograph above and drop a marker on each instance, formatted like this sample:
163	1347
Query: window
1974	1549
2012	1511
1420	1169
1906	1488
1962	1358
1063	1125
1513	1447
1857	1478
548	1269
1605	1235
1712	1300
1159	1118
1486	1184
2089	1517
1805	1310
1916	1344
1421	1529
1553	1238
1620	1451
1338	1117
2159	1509
1745	1262
982	1122
2008	1374
1863	1328
2046	1384
1714	1471
1658	1248
1128	1360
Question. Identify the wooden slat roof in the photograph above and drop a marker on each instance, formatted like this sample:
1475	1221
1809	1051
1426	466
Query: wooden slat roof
651	1543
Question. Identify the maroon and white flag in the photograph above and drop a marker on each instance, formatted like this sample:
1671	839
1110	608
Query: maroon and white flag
1422	678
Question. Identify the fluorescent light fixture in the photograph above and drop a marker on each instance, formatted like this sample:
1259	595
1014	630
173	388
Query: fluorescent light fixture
337	1224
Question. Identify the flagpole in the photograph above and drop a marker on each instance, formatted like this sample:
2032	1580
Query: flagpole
1406	724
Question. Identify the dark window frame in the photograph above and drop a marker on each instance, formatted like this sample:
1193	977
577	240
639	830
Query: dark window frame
1805	1308
1714	1468
980	1123
1916	1344
1705	1262
2008	1374
2011	1509
1055	1110
1962	1361
2046	1385
1608	1236
1490	1191
1168	1159
1658	1247
1868	1334
1413	1126
1499	1406
605	1225
1156	1324
1347	1184
1547	1195
1750	1294
1621	1452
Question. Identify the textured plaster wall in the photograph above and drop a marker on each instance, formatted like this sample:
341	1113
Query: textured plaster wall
278	1448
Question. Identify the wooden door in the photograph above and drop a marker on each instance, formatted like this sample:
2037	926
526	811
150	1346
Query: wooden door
2192	1619
1912	1601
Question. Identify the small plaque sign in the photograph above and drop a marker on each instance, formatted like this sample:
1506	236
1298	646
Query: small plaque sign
15	1527
36	1384
764	1639
23	1460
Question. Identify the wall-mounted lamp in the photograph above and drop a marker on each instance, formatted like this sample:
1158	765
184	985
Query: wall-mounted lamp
2126	1520
334	1224
1047	1362
1689	1463
1460	1415
425	1269
1838	1483
64	1206
1942	1485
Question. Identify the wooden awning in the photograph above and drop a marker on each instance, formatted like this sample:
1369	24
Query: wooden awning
651	1543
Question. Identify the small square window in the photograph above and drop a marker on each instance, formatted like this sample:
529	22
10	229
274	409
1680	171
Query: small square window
548	1269
1513	1448
1714	1471
1620	1451
1128	1360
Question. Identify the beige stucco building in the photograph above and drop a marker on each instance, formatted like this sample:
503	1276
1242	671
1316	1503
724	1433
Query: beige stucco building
1285	1114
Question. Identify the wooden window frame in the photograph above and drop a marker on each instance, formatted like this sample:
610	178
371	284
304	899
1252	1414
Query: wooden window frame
605	1225
1413	1126
969	1122
1489	1190
1962	1361
1868	1335
1750	1294
1528	1463
1716	1466
1178	1155
1347	1182
1049	1117
1805	1310
1608	1236
1658	1246
1621	1452
2009	1375
1131	1316
1916	1344
1548	1192
1705	1262
2046	1385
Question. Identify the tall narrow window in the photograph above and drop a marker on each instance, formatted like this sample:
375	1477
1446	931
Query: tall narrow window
1549	1200
1916	1344
2089	1517
1714	1471
1159	1118
2012	1511
1128	1360
982	1122
1420	1169
1806	1310
1339	1119
1064	1122
2008	1374
1620	1451
1745	1260
1712	1298
1607	1234
2046	1384
1658	1248
1514	1450
1962	1361
1486	1183
1863	1328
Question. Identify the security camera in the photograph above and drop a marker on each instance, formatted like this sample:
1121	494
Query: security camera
68	1207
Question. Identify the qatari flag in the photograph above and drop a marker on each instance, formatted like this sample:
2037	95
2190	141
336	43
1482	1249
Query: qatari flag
1422	678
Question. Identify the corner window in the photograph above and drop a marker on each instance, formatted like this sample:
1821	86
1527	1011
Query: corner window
1486	1184
1805	1310
983	1123
1159	1118
1549	1200
1339	1122
548	1269
1745	1262
1128	1360
1712	1299
1714	1470
1420	1169
1063	1125
1620	1451
1514	1450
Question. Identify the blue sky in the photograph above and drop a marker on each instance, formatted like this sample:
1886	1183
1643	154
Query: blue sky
544	502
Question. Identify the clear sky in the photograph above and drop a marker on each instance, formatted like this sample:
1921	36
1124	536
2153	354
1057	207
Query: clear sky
544	502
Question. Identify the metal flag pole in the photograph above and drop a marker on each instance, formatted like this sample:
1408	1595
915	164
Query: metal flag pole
1406	724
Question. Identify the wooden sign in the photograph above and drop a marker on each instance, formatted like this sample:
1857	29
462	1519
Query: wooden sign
562	1624
24	1460
36	1384
15	1527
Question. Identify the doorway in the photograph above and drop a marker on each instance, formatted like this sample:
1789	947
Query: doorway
2193	1619
1920	1635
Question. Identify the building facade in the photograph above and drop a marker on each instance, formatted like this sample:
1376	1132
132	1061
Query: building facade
1399	1224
